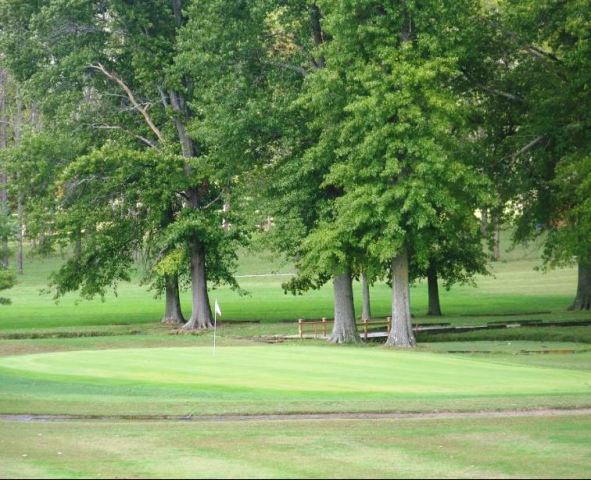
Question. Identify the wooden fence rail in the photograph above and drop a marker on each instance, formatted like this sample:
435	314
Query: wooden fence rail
324	322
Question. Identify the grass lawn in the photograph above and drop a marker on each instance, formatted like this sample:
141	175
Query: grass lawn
115	358
530	447
515	287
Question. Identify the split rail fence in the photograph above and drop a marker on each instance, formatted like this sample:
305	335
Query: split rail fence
322	326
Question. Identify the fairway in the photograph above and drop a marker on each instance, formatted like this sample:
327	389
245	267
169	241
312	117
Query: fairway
478	448
271	378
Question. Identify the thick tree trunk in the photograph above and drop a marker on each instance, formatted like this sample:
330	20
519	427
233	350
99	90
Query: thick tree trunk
434	305
583	299
366	305
344	327
172	310
401	334
201	314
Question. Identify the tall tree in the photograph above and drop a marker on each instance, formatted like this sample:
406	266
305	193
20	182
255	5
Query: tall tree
397	136
541	128
120	67
302	206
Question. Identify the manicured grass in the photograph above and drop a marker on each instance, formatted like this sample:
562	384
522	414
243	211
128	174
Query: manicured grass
277	378
114	358
551	447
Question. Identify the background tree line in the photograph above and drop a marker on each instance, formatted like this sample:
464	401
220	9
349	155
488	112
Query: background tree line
379	140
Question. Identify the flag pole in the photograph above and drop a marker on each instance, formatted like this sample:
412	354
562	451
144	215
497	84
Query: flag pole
215	324
216	311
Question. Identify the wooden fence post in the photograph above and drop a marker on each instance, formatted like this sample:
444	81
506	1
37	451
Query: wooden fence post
365	327
300	328
324	326
389	320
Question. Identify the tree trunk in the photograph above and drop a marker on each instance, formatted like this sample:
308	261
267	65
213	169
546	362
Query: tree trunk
497	241
225	222
78	244
583	299
344	327
4	253
366	305
20	258
484	222
317	33
401	334
35	119
173	314
434	305
201	314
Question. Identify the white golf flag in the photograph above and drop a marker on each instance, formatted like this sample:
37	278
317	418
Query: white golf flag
218	312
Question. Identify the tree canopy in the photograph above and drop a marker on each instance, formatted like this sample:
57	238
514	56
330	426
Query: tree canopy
359	138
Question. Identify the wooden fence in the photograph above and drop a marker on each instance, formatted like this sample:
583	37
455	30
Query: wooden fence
322	325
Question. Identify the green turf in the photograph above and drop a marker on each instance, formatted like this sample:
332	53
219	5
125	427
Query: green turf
114	358
515	287
276	378
554	447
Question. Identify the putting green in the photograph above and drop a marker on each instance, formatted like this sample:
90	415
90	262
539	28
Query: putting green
294	373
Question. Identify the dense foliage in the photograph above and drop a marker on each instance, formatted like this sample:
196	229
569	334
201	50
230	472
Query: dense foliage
358	138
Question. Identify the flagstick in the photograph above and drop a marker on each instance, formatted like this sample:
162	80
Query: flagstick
215	327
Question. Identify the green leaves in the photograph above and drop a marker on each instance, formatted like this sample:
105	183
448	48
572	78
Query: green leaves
7	280
544	137
391	124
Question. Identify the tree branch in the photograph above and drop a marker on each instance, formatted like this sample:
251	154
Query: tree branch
162	97
288	66
212	202
534	50
530	145
132	99
538	52
117	127
510	96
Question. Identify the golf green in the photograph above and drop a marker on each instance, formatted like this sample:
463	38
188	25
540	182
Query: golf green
293	373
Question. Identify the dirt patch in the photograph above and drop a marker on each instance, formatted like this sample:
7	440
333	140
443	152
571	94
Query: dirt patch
543	412
510	314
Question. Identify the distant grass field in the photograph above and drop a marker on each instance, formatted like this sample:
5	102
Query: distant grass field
547	447
515	287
